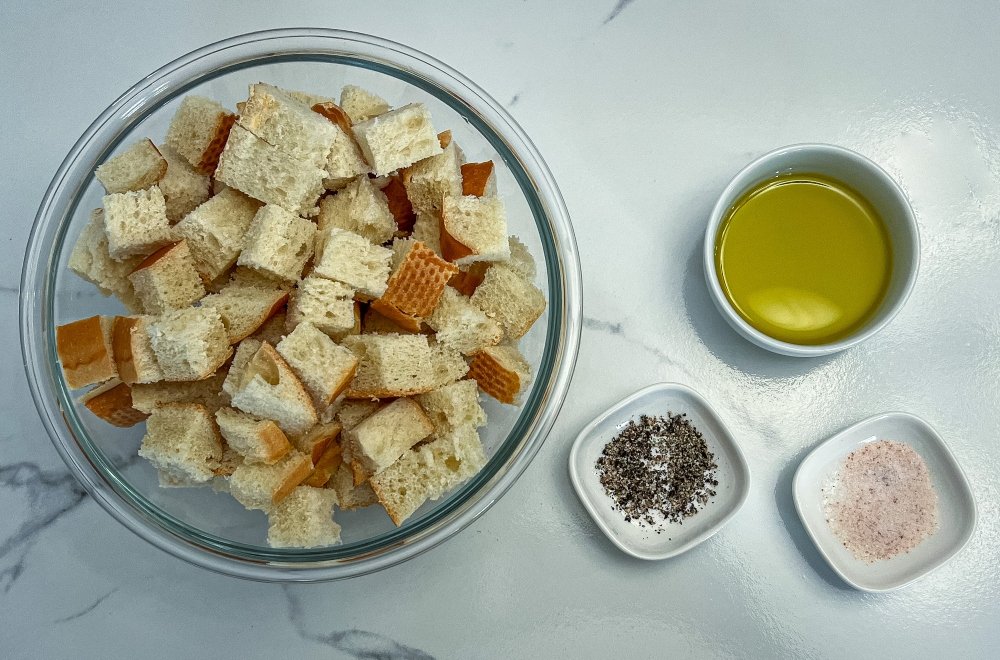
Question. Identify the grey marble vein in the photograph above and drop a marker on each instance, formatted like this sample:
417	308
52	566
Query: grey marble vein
592	323
361	644
513	100
617	330
50	495
619	8
88	609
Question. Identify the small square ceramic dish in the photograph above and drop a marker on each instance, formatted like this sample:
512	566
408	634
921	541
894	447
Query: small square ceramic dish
733	473
956	506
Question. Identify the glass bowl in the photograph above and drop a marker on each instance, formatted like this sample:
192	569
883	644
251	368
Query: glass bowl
211	529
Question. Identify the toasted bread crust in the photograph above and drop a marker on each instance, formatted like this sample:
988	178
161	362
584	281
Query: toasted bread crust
210	158
112	402
467	281
415	288
451	248
399	204
85	352
325	466
496	380
476	178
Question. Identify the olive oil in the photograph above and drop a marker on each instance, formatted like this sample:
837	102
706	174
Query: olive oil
804	259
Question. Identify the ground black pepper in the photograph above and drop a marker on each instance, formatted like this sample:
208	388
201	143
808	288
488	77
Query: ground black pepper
658	470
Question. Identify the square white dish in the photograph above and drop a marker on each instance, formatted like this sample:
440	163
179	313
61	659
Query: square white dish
956	504
733	473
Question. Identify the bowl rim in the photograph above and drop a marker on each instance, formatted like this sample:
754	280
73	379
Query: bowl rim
740	183
564	275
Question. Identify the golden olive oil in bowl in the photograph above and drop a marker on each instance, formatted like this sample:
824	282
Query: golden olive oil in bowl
804	259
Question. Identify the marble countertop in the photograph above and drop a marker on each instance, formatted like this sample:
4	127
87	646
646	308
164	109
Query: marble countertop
643	110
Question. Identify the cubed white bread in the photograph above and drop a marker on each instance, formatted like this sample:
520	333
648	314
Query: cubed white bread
323	469
269	389
256	440
307	98
91	260
167	279
326	304
428	471
288	124
314	442
349	258
199	130
349	496
430	180
183	187
237	368
360	104
352	413
278	243
391	366
183	442
230	461
244	309
397	138
501	371
448	364
304	520
273	330
269	174
520	258
189	344
474	229
427	230
453	405
208	393
360	208
509	297
384	436
112	402
479	179
136	222
84	349
375	323
324	367
418	280
345	160
138	167
462	326
244	276
215	231
257	486
132	350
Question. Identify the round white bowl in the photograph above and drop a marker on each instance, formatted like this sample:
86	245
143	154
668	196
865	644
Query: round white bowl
864	176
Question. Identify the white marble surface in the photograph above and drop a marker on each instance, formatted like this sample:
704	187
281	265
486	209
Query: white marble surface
643	111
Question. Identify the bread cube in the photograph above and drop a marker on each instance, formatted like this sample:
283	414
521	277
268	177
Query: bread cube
352	413
261	487
256	440
427	230
189	344
360	208
349	258
430	180
167	280
183	187
182	442
324	367
244	309
269	389
288	124
397	138
304	520
133	350
507	296
520	258
417	281
349	496
345	161
454	405
136	222
138	167
199	130
269	174
383	437
147	397
428	471
91	261
399	205
462	326
474	229
316	441
278	243
326	304
391	366
112	402
375	323
216	229
324	468
245	352
84	349
360	104
447	363
479	179
501	371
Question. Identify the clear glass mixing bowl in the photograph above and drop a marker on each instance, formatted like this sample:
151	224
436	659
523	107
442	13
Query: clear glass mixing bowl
210	529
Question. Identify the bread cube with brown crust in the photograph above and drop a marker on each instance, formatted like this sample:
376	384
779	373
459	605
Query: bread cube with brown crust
189	344
278	243
136	222
397	138
256	440
112	402
167	279
84	349
361	208
502	372
215	231
138	167
474	229
199	130
182	442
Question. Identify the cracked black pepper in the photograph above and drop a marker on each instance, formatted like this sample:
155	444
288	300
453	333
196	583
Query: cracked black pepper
658	470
